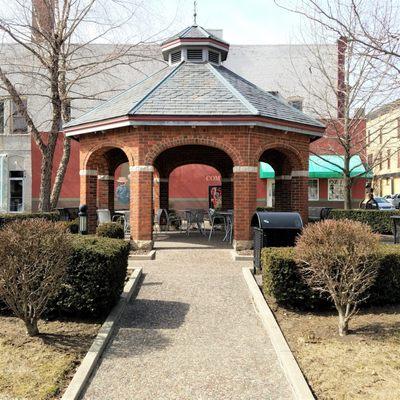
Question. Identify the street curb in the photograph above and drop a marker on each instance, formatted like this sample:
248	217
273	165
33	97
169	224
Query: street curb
151	255
89	362
239	257
293	373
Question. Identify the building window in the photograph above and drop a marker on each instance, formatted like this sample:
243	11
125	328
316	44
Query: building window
213	57
336	189
16	191
388	158
19	125
313	189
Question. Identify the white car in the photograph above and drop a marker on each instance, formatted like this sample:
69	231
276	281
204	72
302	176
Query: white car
384	204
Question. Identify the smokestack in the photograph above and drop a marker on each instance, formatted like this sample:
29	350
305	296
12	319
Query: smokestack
42	19
341	84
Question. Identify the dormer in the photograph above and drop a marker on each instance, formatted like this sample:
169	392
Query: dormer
195	45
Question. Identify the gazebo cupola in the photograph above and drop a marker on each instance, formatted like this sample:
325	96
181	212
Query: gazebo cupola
195	45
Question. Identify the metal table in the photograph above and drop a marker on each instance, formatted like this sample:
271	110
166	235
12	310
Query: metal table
194	217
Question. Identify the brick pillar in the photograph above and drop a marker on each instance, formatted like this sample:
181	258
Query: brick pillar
156	194
105	192
245	203
164	193
141	218
283	193
300	193
88	196
227	193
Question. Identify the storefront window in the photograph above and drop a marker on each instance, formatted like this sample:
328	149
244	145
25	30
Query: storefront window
18	122
313	189
336	189
16	191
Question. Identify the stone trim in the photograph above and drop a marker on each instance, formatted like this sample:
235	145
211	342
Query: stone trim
159	180
88	172
245	168
105	178
303	174
141	168
283	177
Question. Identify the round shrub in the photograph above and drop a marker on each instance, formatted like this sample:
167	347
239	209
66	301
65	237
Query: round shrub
70	226
112	230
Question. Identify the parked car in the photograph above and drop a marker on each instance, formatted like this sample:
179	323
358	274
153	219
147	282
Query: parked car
396	200
389	197
384	204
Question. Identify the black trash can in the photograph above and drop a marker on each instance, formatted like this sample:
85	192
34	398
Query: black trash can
274	229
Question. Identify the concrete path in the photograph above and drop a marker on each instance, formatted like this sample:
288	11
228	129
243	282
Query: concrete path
191	333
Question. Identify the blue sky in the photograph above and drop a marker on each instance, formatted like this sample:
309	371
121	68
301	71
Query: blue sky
243	21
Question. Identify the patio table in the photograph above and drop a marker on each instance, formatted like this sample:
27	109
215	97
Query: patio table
194	217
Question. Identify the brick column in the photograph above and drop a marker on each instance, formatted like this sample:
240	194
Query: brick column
245	203
105	192
283	193
141	206
88	196
300	193
156	193
164	193
227	193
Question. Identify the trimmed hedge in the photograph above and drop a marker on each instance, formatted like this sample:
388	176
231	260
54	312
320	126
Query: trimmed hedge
49	216
95	277
112	230
282	280
379	221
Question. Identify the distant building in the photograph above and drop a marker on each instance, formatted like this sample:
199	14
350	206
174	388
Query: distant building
383	148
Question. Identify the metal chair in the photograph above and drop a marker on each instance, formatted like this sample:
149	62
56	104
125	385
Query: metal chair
215	221
104	216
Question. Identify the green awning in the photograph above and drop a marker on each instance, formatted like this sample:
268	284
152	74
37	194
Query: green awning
325	166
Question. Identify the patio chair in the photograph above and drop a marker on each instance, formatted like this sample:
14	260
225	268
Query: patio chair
104	216
216	221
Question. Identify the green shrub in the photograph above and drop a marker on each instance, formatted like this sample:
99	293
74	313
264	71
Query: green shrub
379	221
386	289
264	209
112	230
95	277
282	280
49	216
71	226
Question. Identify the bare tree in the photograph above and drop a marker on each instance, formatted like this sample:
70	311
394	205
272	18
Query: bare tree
339	258
32	272
60	48
347	92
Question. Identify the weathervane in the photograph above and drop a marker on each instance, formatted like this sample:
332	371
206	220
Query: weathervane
195	13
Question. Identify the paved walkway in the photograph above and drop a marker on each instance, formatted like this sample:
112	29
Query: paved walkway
191	333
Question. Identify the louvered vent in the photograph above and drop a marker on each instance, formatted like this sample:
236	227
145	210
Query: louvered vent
176	57
195	54
213	57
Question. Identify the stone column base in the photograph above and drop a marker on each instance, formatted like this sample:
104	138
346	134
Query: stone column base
142	244
242	245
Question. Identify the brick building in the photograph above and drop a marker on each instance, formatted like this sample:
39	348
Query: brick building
195	111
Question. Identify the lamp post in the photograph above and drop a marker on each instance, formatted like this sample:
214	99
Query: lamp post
83	226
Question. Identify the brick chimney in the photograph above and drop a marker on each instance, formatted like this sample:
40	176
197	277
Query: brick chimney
341	84
42	18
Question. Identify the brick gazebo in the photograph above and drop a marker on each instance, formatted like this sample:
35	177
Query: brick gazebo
193	111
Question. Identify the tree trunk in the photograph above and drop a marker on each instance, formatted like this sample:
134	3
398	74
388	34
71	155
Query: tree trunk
62	169
31	327
347	193
343	323
45	181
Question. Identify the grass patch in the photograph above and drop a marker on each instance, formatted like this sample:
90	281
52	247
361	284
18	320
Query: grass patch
40	368
363	365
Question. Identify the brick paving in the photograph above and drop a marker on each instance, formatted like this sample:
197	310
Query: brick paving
191	333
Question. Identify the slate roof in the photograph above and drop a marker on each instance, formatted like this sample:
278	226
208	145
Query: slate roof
194	32
191	89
